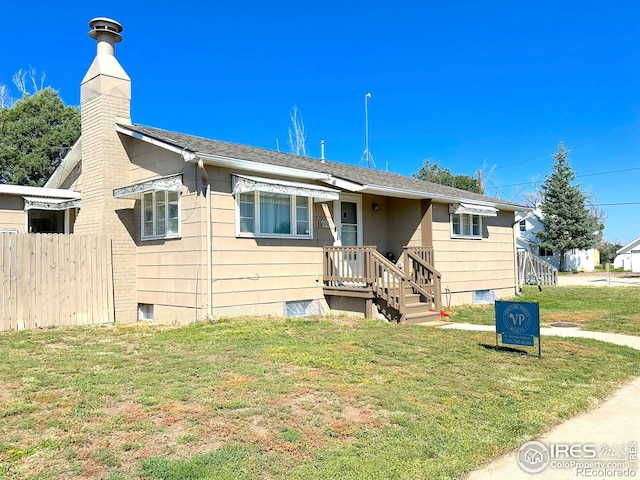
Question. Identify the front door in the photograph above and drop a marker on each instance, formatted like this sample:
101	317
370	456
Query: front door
348	215
349	223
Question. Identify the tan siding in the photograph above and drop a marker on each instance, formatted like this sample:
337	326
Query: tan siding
12	214
265	295
375	222
170	272
468	265
405	229
256	275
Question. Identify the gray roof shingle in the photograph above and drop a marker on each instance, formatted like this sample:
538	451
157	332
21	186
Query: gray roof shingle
352	173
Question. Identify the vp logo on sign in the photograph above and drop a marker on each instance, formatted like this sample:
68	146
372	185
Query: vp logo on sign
533	457
516	318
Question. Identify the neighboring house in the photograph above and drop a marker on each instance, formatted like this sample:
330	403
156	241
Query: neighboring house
529	223
204	229
37	210
628	257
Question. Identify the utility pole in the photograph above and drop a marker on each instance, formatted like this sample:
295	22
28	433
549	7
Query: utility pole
480	181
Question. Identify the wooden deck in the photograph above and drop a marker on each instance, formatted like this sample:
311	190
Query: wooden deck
408	294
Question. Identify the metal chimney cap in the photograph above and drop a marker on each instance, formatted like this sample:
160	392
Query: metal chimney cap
102	24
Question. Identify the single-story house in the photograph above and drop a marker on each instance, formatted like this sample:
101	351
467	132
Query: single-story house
529	223
628	257
202	228
37	210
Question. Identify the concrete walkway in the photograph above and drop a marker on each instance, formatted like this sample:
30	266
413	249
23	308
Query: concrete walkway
600	279
602	438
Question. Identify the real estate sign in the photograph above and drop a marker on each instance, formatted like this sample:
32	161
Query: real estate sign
518	323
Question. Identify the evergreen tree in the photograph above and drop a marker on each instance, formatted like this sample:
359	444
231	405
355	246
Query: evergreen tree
34	134
567	221
432	172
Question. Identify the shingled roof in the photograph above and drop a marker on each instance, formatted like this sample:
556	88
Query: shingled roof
367	177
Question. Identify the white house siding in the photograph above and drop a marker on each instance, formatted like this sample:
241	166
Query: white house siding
635	261
622	261
579	260
470	265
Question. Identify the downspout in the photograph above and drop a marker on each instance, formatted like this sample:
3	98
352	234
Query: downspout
205	178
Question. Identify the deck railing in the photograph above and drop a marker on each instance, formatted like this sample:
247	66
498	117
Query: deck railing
423	278
354	268
425	253
389	282
527	262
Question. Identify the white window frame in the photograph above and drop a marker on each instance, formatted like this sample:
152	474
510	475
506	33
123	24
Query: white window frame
470	217
256	216
337	215
154	208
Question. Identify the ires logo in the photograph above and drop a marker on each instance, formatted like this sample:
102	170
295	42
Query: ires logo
559	451
534	456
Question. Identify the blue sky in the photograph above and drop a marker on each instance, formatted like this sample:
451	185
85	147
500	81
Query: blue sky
489	85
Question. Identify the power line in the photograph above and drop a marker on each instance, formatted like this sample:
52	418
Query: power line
588	142
614	204
577	176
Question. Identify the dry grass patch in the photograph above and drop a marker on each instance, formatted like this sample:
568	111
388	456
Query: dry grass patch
580	318
282	398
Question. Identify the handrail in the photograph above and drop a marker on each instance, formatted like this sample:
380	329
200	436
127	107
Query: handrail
425	253
389	281
422	276
364	268
546	273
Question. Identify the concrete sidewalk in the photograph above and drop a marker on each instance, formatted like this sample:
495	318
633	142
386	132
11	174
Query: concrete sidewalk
610	430
600	279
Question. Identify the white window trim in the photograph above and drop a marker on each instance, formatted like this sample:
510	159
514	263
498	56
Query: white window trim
144	237
256	216
467	237
337	215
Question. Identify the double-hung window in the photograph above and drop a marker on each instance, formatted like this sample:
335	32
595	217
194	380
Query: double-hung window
466	225
160	214
545	252
274	214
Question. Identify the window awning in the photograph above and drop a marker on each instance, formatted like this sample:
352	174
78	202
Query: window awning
473	209
172	183
245	183
50	203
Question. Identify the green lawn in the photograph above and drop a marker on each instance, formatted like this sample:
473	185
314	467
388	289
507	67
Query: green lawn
604	309
283	398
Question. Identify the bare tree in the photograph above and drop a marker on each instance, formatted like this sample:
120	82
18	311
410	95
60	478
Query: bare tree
296	134
6	100
20	81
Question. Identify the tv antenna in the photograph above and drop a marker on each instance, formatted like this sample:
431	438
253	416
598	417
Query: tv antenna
366	156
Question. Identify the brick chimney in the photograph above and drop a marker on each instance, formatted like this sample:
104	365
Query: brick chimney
105	96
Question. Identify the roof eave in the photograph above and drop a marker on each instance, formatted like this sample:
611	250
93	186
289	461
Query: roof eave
38	191
153	141
416	194
257	167
66	166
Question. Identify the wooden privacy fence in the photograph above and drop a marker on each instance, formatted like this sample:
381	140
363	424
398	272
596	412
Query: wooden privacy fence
55	280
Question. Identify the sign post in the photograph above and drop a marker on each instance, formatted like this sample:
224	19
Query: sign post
518	323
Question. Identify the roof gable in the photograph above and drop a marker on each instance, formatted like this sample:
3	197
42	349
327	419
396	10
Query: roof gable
629	246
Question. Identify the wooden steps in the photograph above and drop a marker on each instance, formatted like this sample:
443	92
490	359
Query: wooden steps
419	313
